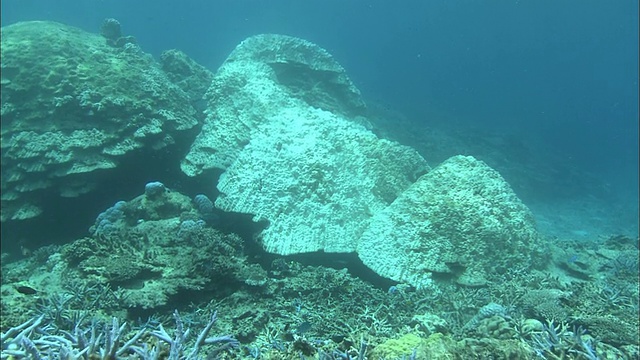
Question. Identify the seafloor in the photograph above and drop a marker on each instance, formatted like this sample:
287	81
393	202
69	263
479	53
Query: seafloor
324	306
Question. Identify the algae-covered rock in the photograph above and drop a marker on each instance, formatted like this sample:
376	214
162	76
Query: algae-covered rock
459	220
72	105
263	75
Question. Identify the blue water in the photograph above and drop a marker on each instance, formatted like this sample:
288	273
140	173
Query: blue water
560	75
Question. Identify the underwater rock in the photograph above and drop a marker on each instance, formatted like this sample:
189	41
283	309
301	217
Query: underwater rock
459	220
71	106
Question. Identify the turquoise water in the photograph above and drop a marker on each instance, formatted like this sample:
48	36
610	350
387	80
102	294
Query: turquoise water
318	145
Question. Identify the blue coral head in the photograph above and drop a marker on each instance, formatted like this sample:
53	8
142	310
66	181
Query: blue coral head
154	189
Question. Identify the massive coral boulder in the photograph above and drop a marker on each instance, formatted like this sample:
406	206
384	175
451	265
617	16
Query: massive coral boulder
286	124
461	221
317	178
264	74
71	106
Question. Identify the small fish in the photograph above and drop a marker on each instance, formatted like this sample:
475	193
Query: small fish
27	290
304	327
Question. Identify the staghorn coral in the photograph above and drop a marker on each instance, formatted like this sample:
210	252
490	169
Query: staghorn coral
106	340
35	340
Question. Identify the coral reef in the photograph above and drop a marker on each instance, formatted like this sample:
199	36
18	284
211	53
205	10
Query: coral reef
152	248
289	310
160	249
459	271
73	106
323	181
